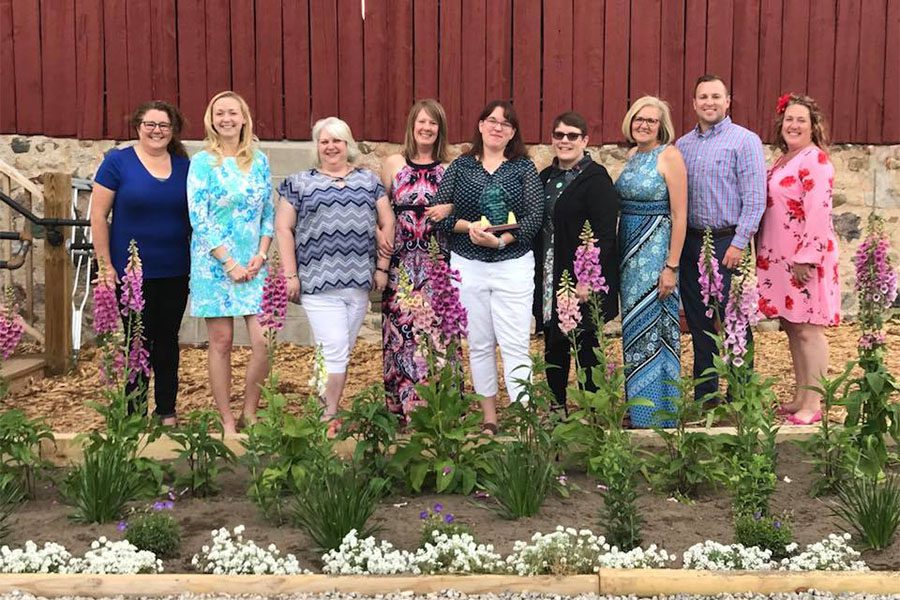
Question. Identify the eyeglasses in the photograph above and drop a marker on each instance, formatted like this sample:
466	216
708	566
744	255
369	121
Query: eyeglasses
572	136
648	121
151	125
504	125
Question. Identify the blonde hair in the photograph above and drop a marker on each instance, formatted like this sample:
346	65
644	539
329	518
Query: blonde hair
340	130
246	144
434	110
666	131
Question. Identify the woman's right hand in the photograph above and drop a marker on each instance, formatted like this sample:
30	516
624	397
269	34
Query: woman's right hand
237	272
293	288
438	212
107	276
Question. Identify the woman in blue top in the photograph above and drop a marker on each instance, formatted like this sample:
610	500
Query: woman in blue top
144	187
494	178
231	209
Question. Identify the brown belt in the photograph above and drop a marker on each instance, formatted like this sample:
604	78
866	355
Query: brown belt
720	233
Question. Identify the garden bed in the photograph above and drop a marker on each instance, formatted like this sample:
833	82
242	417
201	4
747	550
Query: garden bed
669	524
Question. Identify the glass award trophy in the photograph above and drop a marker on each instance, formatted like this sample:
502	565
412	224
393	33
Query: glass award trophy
496	217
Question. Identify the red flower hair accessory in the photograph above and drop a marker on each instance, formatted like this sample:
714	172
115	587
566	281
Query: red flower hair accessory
783	102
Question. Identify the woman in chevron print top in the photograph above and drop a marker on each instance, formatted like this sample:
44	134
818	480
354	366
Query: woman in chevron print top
326	224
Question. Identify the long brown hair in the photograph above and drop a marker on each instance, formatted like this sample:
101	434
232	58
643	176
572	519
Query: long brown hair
175	145
816	120
434	110
515	147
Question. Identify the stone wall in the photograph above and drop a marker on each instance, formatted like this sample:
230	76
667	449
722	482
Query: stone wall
867	178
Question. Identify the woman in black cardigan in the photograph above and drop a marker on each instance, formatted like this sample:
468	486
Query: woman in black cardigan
576	189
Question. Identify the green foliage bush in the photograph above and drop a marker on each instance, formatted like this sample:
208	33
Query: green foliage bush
436	519
871	509
20	439
200	438
766	532
106	480
518	478
157	532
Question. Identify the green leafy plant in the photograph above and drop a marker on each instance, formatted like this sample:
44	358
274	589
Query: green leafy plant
689	459
106	480
833	451
871	509
156	531
11	494
436	519
374	429
335	501
20	439
767	532
281	451
445	450
201	439
519	477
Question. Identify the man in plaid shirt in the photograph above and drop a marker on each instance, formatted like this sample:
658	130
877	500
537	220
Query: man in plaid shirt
726	193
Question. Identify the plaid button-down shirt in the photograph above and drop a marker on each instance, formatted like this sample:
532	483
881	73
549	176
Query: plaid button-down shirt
726	179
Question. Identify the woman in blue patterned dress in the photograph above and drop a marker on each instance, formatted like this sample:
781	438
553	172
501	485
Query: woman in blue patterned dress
231	210
652	225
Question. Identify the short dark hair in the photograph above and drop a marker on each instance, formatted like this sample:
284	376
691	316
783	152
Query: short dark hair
572	119
706	78
175	145
515	147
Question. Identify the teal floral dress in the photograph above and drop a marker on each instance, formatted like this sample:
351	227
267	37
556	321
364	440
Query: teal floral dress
231	208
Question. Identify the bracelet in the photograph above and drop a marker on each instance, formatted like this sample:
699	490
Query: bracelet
231	268
500	243
671	268
385	271
224	260
263	256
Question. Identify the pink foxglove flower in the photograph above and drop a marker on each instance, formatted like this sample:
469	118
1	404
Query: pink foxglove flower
138	357
876	283
741	312
711	287
273	309
567	306
106	309
132	296
449	311
11	328
587	262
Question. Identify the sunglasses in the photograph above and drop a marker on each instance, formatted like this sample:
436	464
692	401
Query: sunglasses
571	136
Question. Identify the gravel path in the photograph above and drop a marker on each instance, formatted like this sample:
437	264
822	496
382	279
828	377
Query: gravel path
452	595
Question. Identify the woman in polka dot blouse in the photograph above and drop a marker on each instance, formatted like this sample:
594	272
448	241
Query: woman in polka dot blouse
493	179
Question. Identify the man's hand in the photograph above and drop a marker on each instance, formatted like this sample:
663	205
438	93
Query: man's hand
732	258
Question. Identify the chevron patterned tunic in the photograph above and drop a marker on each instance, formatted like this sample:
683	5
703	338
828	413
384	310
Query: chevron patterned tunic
334	237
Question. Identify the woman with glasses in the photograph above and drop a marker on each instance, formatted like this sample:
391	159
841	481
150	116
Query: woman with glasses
146	185
653	189
230	200
576	190
496	180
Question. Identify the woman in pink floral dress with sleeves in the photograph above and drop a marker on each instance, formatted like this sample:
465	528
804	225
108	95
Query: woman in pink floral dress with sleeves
797	257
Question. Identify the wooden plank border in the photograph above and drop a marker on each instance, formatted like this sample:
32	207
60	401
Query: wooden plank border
270	585
619	582
652	582
65	448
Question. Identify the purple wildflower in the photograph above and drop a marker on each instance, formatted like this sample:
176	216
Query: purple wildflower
138	357
777	524
451	316
274	299
876	284
567	307
11	328
106	309
449	518
122	525
423	515
711	287
438	507
587	262
741	312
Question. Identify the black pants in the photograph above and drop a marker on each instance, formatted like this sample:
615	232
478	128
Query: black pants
164	302
558	353
695	310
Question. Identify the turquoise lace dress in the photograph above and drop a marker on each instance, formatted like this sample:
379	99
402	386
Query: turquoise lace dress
650	327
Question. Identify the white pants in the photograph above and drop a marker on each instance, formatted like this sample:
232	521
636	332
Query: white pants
336	316
498	299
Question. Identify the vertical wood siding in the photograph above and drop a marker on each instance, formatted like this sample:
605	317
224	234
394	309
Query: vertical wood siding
296	61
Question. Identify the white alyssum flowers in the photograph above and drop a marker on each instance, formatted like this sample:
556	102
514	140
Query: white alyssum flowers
636	558
104	557
51	558
366	557
456	554
831	554
713	556
119	558
234	556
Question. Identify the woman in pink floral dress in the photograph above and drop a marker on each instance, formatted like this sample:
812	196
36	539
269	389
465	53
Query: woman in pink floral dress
797	258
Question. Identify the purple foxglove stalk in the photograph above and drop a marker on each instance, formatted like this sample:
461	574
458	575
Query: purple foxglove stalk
451	316
587	262
876	283
273	309
567	305
11	327
132	297
711	287
138	357
106	309
741	312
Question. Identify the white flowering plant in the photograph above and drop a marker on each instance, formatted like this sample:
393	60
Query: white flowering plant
49	558
456	554
834	553
366	557
230	554
104	557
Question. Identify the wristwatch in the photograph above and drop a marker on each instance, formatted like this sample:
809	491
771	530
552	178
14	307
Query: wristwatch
263	256
500	243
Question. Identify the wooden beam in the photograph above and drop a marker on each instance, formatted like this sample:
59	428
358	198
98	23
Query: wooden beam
57	277
96	586
666	582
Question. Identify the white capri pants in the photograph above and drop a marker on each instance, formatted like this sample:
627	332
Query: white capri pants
336	316
498	298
